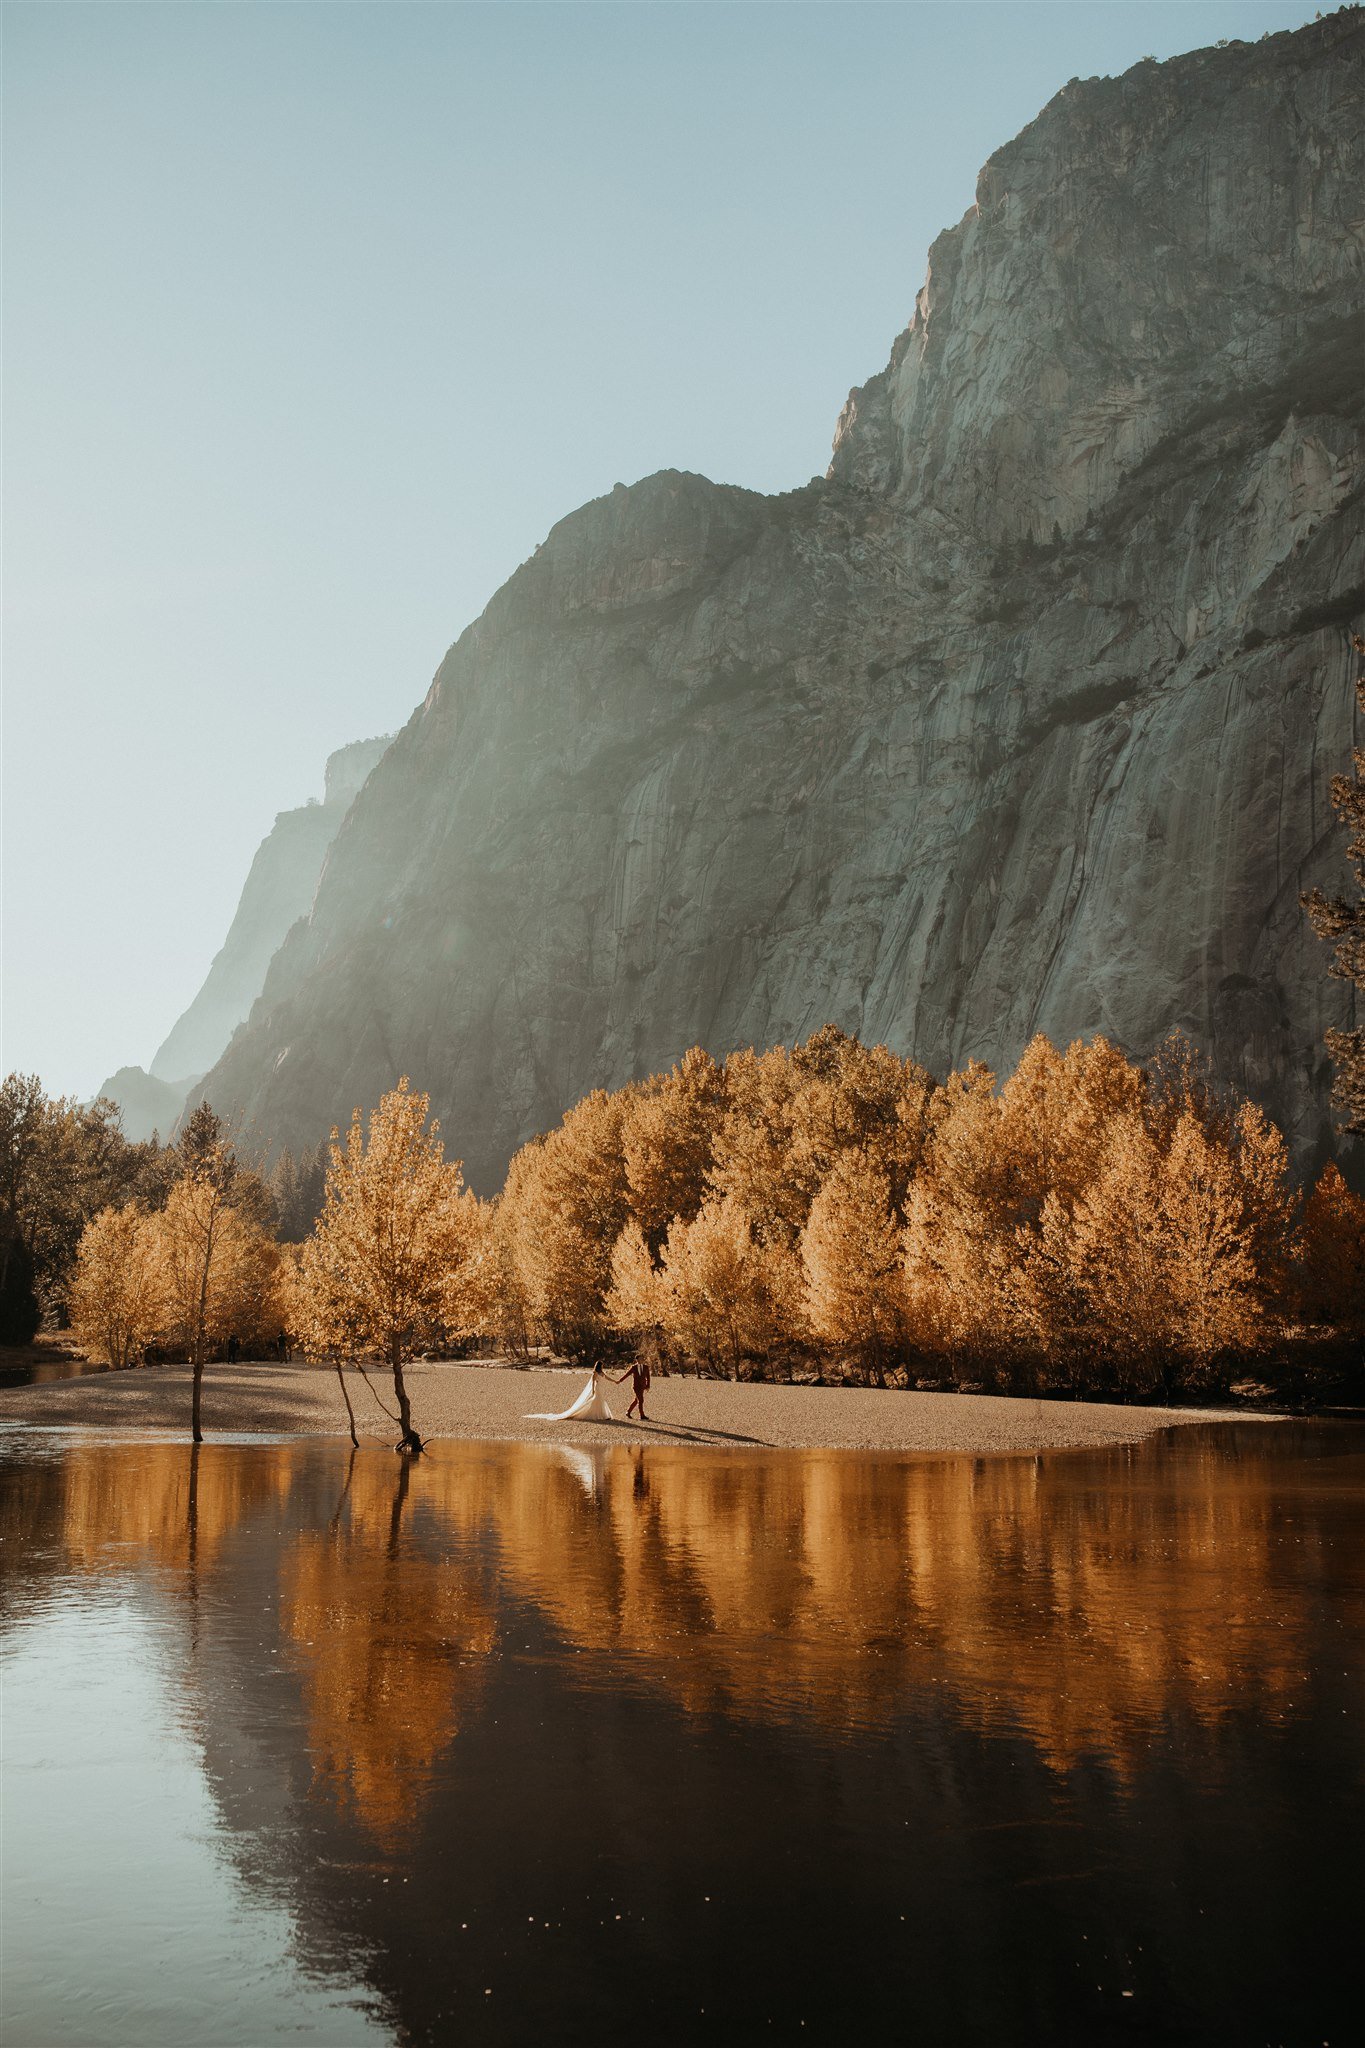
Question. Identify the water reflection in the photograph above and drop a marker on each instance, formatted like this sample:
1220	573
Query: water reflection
532	1685
39	1369
390	1641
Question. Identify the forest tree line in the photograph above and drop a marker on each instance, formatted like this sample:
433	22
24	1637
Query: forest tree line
1090	1224
63	1163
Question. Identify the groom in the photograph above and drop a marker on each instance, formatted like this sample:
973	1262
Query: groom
638	1375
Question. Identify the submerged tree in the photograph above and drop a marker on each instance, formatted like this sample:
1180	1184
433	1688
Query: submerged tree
1343	922
219	1265
395	1258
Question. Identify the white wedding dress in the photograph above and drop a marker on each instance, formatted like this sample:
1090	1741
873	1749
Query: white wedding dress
591	1406
589	1468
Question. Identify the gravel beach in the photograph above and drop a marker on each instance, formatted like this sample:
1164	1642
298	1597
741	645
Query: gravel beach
494	1402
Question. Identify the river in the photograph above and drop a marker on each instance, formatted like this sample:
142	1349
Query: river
516	1744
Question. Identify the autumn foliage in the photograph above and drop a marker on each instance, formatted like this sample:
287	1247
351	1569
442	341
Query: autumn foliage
394	1262
1086	1224
188	1275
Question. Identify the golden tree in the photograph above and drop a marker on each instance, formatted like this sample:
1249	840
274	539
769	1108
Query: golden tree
391	1261
1163	1249
1332	1274
726	1294
855	1098
752	1153
851	1252
790	1115
667	1136
960	1219
929	1298
217	1267
322	1318
118	1298
1055	1111
637	1299
563	1207
506	1316
1084	1215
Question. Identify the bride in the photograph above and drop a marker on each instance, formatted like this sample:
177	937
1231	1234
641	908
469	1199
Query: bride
591	1406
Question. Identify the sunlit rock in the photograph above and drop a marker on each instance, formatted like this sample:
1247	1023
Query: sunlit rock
1023	719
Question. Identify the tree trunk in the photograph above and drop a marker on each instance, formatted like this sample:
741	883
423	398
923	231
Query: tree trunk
192	1511
196	1433
408	1439
350	1412
396	1515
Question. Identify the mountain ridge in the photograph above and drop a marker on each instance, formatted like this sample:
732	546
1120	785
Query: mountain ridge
1022	718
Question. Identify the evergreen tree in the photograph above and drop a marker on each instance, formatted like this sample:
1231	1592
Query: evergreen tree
19	1314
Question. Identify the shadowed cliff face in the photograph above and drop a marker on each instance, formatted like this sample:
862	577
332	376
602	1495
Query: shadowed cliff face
1023	719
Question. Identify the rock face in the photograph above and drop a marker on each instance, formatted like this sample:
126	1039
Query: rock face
279	890
150	1108
1022	719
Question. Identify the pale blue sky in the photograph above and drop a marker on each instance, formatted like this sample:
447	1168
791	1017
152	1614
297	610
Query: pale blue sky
316	317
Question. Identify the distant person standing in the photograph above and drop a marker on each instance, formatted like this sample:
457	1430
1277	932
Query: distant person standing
234	1348
640	1383
284	1347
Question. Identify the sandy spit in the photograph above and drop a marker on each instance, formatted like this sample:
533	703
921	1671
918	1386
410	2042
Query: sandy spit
493	1403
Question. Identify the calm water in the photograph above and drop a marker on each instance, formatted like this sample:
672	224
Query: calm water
41	1372
524	1745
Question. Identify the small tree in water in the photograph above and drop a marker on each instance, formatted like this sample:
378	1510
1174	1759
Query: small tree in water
395	1249
218	1265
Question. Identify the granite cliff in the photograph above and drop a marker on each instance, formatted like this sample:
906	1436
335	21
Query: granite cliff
1023	718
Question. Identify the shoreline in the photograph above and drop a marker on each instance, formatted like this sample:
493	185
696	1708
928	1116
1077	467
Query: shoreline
469	1401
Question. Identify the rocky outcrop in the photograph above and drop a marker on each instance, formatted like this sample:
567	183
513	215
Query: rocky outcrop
1022	719
148	1108
279	890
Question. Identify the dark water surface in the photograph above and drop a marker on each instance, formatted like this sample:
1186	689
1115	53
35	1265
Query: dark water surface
42	1372
524	1745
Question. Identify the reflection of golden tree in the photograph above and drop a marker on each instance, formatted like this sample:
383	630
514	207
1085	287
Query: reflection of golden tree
1082	1614
390	1643
122	1504
1085	1604
1088	1614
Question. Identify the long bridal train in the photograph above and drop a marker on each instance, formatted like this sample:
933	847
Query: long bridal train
591	1406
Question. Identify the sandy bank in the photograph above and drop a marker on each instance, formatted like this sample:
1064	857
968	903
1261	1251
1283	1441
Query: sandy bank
492	1402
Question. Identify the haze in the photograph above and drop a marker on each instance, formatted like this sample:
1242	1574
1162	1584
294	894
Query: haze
316	319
